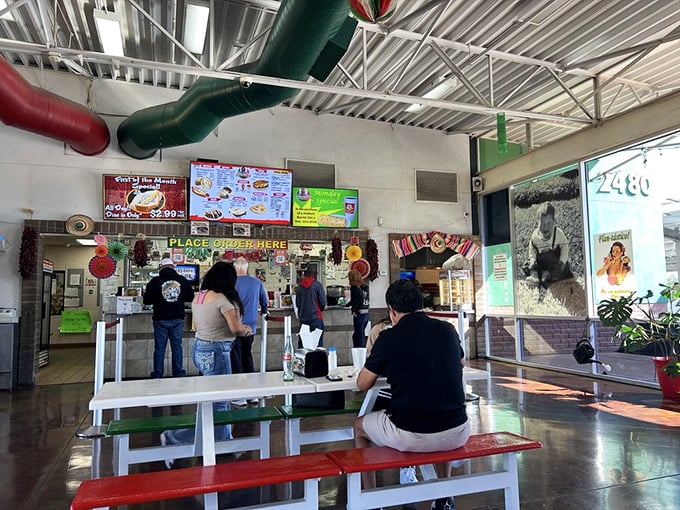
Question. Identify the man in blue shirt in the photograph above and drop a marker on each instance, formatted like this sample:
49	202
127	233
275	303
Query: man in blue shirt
251	291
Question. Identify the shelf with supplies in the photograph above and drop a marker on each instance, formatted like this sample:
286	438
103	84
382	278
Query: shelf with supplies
456	288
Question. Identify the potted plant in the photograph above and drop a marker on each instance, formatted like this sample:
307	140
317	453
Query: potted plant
641	324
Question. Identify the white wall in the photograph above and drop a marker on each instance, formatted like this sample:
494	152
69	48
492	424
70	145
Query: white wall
43	179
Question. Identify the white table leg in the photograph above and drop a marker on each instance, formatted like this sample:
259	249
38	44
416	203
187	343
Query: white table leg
369	401
205	433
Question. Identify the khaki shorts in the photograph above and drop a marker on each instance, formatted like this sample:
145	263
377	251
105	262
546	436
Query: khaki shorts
382	432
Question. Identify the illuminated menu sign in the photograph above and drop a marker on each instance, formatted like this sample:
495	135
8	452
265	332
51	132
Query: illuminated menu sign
325	207
145	197
237	193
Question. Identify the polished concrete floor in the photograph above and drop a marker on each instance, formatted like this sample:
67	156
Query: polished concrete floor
606	445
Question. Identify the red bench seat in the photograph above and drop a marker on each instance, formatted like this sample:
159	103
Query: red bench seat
358	460
178	483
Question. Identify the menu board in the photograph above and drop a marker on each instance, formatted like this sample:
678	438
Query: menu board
325	207
145	197
237	193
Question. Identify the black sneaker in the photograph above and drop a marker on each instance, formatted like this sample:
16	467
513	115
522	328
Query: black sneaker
443	504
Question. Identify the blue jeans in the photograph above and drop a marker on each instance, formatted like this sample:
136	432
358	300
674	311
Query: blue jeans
162	330
358	338
211	358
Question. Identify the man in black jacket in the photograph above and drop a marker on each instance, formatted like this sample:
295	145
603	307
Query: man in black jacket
168	292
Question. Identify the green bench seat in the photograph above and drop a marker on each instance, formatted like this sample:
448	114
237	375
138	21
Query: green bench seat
121	429
184	421
297	437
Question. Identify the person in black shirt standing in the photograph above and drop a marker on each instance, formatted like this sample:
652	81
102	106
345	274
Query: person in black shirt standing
421	358
359	303
168	292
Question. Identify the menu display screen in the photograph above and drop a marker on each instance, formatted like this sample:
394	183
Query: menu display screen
238	193
325	207
145	197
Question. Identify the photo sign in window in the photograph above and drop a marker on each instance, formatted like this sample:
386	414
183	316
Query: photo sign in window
238	193
325	207
145	197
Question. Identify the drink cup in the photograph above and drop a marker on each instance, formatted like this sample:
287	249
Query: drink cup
350	210
358	358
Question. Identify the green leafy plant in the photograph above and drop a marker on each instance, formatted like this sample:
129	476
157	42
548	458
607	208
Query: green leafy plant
637	324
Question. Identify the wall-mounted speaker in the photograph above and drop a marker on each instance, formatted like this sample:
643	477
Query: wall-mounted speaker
477	184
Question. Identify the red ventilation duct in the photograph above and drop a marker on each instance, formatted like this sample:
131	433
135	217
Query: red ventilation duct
39	111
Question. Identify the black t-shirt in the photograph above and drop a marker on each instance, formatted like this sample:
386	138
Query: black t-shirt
420	357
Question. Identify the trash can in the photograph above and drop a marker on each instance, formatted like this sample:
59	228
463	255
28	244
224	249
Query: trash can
9	344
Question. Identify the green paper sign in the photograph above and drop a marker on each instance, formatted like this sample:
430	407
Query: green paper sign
75	321
325	207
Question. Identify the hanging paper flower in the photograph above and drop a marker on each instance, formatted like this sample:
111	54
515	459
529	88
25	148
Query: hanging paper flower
353	253
117	250
354	240
372	10
100	239
101	250
102	267
362	266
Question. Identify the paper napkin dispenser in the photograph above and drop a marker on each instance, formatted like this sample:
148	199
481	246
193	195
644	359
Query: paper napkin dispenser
311	362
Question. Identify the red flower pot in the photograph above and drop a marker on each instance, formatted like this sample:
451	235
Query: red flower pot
670	386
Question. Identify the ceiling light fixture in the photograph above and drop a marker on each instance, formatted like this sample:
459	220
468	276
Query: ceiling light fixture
442	88
7	15
196	17
87	242
110	35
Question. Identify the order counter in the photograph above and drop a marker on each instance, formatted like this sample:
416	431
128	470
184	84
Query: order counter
138	341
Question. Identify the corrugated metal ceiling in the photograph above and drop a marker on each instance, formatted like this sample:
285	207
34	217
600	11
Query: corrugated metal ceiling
537	60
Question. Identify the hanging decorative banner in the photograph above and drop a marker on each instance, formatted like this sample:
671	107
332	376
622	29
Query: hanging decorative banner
372	11
414	242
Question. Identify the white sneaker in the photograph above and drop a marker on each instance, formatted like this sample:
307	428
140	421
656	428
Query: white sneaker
407	475
164	442
253	400
239	403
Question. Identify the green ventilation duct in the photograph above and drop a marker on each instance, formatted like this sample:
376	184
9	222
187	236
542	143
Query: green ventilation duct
308	38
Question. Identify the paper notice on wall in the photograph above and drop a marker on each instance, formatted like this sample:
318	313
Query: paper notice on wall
500	267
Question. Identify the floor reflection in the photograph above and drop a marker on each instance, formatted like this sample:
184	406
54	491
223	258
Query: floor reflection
606	445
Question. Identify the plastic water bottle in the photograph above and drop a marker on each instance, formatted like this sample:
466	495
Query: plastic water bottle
288	354
332	360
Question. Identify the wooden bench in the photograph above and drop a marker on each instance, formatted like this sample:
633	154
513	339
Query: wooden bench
125	456
297	437
357	460
192	481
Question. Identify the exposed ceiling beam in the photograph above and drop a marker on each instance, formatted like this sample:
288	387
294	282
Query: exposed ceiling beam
160	27
576	68
95	57
625	51
459	73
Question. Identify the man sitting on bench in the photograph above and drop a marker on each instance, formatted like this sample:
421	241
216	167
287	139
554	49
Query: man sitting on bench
421	358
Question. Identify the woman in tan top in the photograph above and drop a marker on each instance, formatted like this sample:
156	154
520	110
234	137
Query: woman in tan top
217	312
